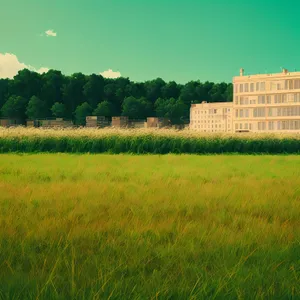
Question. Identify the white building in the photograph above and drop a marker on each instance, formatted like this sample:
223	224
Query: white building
262	103
268	102
211	117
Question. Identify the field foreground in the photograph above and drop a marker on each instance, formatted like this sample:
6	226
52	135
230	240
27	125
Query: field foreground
149	227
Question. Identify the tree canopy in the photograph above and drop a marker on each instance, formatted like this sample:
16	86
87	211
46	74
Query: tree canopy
105	109
36	108
53	94
58	110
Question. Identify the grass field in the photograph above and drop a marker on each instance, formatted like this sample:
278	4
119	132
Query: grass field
143	141
149	227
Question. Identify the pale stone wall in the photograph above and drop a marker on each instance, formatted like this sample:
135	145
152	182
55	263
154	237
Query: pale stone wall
211	117
267	102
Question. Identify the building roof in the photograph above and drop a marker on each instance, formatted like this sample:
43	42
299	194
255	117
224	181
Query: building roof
284	74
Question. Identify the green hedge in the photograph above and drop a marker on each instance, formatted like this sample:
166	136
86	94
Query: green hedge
149	144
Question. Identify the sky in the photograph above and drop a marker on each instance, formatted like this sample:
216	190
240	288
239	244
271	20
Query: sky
180	40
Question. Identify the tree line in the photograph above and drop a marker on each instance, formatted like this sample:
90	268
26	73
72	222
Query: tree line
30	95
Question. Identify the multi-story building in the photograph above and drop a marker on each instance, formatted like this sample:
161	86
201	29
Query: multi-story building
211	117
268	102
261	103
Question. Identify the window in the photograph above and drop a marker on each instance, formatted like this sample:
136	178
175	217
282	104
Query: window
261	99
279	125
286	84
271	125
262	86
247	113
259	112
257	86
251	87
261	126
246	126
290	97
236	88
246	87
268	99
241	88
277	98
270	112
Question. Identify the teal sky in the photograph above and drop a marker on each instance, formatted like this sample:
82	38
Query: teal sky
177	40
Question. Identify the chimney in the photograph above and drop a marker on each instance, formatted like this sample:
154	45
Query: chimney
284	71
241	72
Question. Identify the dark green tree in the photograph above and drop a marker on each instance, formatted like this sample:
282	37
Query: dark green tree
73	92
135	89
136	108
170	90
188	92
105	109
175	110
58	110
81	112
51	92
93	90
26	84
36	108
228	95
3	90
153	89
14	108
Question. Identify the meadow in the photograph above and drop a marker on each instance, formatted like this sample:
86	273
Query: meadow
143	141
149	227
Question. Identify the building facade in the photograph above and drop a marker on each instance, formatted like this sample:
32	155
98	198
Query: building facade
268	102
212	117
261	103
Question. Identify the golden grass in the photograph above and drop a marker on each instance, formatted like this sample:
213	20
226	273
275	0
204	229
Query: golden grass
93	132
149	227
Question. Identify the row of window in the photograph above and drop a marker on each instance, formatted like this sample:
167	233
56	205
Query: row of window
271	125
257	112
209	126
206	121
284	111
267	99
208	117
260	112
211	130
251	87
210	111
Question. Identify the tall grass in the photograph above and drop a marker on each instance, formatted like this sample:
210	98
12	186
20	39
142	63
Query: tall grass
149	227
141	141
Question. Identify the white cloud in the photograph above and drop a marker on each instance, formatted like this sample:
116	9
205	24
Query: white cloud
10	65
50	32
110	74
42	70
